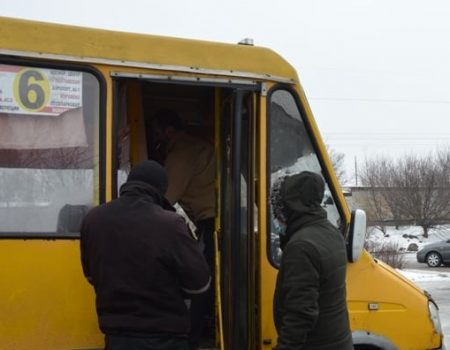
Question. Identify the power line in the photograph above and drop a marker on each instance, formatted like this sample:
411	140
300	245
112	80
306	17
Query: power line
375	140
409	141
388	144
356	136
388	133
353	70
378	100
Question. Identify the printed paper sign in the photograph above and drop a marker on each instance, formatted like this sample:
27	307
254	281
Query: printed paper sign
25	90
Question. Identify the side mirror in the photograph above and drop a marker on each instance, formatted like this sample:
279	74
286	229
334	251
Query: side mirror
357	235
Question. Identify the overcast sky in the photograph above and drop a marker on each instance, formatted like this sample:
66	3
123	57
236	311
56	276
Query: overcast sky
377	72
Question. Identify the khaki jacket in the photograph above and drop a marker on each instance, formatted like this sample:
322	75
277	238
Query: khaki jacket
190	167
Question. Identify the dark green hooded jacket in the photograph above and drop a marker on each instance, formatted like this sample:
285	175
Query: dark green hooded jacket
310	307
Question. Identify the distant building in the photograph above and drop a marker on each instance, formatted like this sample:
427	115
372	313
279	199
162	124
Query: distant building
378	211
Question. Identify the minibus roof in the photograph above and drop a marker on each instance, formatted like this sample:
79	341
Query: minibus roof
18	37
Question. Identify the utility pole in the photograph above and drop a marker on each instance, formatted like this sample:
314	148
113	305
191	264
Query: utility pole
356	172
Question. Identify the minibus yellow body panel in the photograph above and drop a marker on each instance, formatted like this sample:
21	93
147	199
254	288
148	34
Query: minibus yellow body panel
392	305
45	301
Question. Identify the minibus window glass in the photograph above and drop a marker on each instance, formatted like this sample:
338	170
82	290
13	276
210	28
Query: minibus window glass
291	152
48	150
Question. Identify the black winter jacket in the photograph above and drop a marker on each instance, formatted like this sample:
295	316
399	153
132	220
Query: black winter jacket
141	260
310	298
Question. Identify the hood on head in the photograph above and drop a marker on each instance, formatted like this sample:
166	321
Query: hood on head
302	193
296	200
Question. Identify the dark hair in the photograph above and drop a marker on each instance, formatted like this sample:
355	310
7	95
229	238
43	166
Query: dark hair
166	117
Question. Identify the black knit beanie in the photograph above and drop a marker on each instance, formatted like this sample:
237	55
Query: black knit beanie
152	173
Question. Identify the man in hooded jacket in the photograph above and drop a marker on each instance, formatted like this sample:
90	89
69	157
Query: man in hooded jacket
137	253
310	307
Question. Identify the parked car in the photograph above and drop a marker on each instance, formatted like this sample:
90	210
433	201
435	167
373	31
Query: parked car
435	254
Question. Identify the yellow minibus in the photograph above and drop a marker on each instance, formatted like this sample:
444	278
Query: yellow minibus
76	108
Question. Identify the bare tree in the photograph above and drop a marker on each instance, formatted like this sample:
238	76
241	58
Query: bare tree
337	159
413	188
374	178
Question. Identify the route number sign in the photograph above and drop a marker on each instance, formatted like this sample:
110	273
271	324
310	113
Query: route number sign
37	91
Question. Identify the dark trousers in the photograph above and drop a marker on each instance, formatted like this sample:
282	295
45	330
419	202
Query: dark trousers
202	305
166	342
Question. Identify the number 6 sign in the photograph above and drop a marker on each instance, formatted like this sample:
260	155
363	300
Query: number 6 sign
38	91
31	90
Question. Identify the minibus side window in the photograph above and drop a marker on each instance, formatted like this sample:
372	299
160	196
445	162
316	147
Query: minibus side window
291	152
48	150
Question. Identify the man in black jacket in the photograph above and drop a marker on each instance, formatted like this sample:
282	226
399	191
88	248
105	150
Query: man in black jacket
310	307
137	253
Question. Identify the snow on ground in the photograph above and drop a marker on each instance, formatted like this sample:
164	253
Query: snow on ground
403	238
405	235
425	276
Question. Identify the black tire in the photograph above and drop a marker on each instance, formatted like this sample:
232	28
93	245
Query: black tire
434	259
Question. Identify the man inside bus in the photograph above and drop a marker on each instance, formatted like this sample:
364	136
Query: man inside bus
190	165
310	310
141	259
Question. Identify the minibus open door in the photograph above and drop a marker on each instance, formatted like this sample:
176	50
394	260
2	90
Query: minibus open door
237	238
